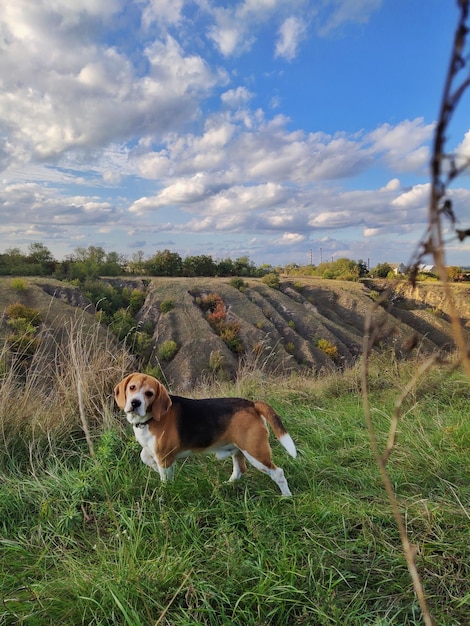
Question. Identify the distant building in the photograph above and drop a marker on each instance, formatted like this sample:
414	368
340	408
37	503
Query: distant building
398	268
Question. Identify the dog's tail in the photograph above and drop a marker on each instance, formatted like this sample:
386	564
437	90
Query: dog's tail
278	427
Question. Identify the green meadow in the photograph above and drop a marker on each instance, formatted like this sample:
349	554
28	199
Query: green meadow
89	535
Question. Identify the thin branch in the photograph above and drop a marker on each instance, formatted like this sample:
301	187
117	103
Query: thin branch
397	412
409	549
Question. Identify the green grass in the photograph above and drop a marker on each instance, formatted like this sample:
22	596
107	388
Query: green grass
100	541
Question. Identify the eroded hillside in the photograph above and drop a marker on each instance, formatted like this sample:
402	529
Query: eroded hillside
306	324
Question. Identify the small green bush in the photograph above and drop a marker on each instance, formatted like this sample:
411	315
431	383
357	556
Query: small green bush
238	283
23	341
229	333
271	280
289	347
20	311
216	360
328	348
167	350
18	284
166	305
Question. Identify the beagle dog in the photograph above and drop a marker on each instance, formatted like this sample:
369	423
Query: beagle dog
169	427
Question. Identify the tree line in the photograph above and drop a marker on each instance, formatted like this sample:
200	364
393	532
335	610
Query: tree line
92	262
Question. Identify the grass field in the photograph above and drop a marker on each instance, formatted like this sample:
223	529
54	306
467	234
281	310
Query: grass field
98	540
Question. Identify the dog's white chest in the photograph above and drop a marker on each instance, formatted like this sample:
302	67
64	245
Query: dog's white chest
145	438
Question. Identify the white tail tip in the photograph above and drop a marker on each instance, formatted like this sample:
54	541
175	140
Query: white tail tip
288	444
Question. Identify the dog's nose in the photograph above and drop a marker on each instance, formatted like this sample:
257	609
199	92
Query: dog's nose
135	403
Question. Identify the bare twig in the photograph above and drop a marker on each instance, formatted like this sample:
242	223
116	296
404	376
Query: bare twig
409	549
397	413
432	243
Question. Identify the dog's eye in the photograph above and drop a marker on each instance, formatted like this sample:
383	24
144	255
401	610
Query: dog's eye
149	394
132	387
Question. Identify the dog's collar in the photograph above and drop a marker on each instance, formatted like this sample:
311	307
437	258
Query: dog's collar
142	424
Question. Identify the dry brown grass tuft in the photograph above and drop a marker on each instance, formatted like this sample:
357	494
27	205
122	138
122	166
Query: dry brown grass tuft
39	401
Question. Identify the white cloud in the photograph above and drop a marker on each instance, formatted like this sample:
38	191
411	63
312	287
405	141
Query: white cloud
61	91
392	185
462	153
163	12
414	198
236	97
291	32
403	144
334	14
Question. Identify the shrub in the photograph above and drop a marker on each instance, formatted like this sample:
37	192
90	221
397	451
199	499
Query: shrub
20	311
155	371
229	334
328	348
122	324
136	300
23	341
238	283
271	280
166	305
289	347
216	360
18	284
216	315
167	350
23	321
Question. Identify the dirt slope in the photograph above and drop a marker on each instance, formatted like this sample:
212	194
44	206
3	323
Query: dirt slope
280	329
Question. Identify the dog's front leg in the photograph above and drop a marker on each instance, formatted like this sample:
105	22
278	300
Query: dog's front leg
166	473
148	458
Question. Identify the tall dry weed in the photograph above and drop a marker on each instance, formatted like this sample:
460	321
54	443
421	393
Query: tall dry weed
40	401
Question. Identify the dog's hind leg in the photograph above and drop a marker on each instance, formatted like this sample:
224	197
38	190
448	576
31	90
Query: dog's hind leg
239	466
275	473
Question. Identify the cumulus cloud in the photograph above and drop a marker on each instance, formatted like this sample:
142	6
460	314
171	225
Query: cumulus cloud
70	93
462	152
291	33
404	145
236	97
163	12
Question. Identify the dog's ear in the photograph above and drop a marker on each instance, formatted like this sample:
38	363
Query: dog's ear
162	401
120	391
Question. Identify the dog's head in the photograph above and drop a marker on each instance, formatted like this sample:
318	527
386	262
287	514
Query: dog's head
141	396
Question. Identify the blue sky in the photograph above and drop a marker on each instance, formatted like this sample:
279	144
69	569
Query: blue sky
274	129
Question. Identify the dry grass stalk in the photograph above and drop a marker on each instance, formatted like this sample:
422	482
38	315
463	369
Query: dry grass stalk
371	334
444	170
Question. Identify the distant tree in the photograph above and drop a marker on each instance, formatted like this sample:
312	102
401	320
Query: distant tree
225	268
382	270
244	267
362	268
202	265
454	272
40	259
113	264
165	263
137	263
15	263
